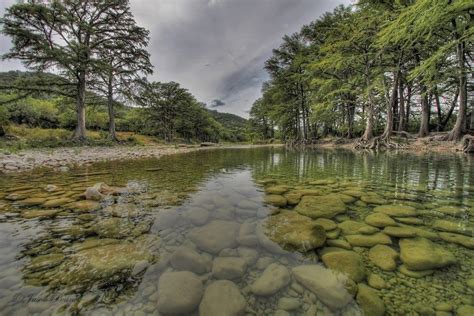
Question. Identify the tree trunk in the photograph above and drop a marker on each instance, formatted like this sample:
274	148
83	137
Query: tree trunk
110	108
460	126
471	125
2	131
451	110
425	112
407	114
80	132
369	125
401	98
438	109
390	105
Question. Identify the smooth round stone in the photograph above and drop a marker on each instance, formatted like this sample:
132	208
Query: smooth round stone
339	243
470	283
346	262
179	292
422	254
326	223
369	301
444	307
465	310
414	274
288	304
379	220
400	232
277	189
228	268
274	278
368	230
276	200
326	206
350	227
328	286
376	281
451	210
396	210
222	298
369	240
187	259
215	236
383	257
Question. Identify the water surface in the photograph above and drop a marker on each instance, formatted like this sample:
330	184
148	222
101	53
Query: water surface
231	214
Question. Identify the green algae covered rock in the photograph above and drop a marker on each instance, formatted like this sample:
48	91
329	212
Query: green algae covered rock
113	228
347	262
414	274
30	214
351	227
400	232
369	240
326	206
380	220
373	198
462	240
396	210
45	262
277	189
422	254
383	257
294	231
369	301
103	262
453	227
276	200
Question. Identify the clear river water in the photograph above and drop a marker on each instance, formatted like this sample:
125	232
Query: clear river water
262	231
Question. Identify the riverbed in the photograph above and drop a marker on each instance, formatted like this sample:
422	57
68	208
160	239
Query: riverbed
243	231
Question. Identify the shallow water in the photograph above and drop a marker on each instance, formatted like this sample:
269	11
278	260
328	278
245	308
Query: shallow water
188	212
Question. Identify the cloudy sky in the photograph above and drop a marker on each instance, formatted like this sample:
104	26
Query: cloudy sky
215	48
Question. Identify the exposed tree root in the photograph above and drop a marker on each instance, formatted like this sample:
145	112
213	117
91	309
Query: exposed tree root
467	143
378	143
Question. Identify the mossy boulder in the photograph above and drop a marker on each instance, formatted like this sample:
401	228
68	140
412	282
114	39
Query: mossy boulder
104	262
380	220
32	201
45	262
462	240
400	232
123	210
276	200
383	257
369	240
351	227
453	227
422	254
277	189
294	232
84	206
369	301
396	210
451	210
53	203
41	214
113	228
326	223
326	206
373	199
347	262
293	198
414	274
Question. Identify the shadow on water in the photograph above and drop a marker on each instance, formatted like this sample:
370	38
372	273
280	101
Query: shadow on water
270	220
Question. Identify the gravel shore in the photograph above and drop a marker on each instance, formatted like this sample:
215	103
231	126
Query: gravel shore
62	158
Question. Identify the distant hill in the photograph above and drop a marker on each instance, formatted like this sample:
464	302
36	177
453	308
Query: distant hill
228	120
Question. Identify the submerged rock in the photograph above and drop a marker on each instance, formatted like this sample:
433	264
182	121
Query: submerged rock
369	301
123	210
215	236
274	278
228	268
45	262
369	240
277	189
383	257
414	274
326	206
325	284
400	232
222	298
453	227
346	262
103	262
113	228
294	231
187	259
350	227
462	240
276	200
380	220
198	216
179	292
422	254
56	202
396	210
30	214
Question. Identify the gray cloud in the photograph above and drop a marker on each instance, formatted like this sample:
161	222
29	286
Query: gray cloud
215	48
216	103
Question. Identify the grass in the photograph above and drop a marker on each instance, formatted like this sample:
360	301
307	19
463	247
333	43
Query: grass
22	137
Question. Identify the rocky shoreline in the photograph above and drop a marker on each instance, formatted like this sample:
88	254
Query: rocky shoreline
62	158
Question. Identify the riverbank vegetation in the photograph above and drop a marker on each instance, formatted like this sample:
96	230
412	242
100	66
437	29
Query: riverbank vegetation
376	72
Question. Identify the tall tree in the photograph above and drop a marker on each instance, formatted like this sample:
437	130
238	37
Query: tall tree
65	36
122	60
